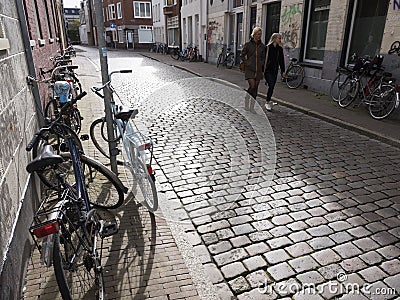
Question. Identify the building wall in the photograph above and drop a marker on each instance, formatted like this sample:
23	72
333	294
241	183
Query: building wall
18	121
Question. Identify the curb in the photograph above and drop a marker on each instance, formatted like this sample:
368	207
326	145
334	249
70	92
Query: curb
369	133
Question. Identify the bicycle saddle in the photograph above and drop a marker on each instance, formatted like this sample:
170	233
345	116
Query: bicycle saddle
125	113
293	59
44	159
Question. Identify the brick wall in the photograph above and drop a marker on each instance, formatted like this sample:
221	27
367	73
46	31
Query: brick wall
18	122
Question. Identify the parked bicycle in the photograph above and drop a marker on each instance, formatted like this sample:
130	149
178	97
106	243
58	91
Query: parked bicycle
294	74
138	147
66	228
226	58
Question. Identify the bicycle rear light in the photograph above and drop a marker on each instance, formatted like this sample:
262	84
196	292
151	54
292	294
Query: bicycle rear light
146	146
149	169
46	229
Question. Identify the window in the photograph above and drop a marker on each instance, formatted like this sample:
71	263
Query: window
368	23
119	10
142	9
37	20
121	36
317	25
47	17
111	12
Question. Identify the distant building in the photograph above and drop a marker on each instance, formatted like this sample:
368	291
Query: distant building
71	14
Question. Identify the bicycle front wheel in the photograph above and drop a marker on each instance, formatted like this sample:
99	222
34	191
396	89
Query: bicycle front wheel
383	102
336	87
175	55
295	76
348	93
98	134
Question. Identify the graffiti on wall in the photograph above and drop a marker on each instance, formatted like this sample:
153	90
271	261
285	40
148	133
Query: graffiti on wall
291	18
214	34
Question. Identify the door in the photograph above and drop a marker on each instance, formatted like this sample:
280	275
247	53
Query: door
273	20
239	36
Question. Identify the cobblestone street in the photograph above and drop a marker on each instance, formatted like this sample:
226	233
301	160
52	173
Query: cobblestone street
252	206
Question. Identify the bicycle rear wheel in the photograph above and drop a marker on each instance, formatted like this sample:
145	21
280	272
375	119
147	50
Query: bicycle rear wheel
77	264
383	102
295	76
230	61
98	134
175	54
350	89
73	116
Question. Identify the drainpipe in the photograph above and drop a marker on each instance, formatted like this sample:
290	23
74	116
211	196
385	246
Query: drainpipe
29	59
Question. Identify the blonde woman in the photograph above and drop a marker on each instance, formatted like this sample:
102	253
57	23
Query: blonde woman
253	56
275	60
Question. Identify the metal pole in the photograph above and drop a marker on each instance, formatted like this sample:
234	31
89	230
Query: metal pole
105	78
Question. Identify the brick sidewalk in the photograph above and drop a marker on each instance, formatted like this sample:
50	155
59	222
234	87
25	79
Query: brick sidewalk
142	261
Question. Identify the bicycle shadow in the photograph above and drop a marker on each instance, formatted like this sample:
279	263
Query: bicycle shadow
131	253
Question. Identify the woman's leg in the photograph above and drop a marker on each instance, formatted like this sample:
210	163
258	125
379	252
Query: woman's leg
252	90
270	80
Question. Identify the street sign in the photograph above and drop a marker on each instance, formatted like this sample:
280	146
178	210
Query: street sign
112	25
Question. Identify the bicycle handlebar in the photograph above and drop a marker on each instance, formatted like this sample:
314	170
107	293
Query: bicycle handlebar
97	89
39	134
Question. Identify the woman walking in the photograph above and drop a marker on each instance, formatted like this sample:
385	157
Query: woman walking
253	56
274	60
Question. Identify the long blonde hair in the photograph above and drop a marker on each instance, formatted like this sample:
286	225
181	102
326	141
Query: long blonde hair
273	37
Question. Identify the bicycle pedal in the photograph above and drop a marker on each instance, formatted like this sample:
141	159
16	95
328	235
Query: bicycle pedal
109	230
84	137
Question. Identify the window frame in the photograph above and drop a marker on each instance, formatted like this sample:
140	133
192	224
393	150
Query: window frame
111	12
146	4
307	31
119	10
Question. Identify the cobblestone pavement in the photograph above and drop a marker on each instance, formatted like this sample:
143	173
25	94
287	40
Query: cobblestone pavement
277	207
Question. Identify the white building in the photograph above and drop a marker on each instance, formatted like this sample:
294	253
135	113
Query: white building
159	21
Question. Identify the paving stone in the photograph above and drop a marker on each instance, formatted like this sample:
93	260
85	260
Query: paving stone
339	225
279	231
310	277
379	290
240	241
233	270
239	285
326	257
258	294
341	237
258	248
280	271
376	227
303	263
230	256
243	229
384	238
276	256
279	242
299	249
393	282
359	231
353	264
287	287
330	272
347	250
258	279
316	221
321	243
299	236
223	291
262	225
213	273
389	252
209	238
254	263
202	253
317	211
307	295
220	247
214	226
281	220
240	220
223	234
300	215
366	244
357	221
321	230
391	267
371	258
299	225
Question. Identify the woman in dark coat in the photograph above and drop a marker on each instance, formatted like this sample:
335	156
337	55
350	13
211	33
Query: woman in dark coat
275	60
253	56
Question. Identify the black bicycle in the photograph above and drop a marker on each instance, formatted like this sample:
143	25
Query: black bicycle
226	58
66	228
